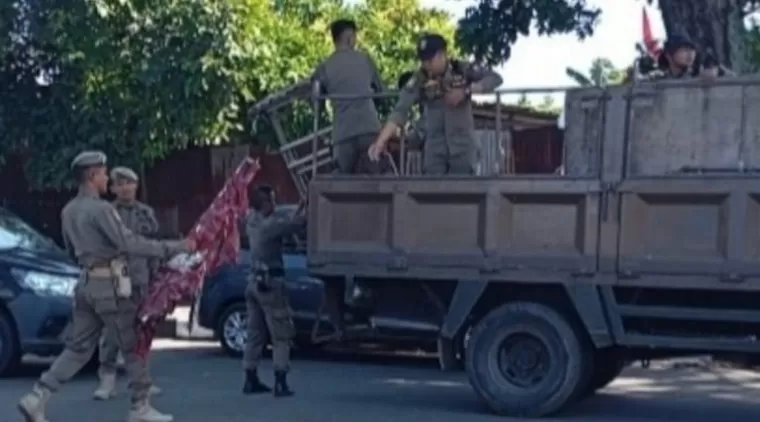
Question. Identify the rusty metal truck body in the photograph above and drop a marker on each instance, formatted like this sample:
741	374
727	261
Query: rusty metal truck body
650	243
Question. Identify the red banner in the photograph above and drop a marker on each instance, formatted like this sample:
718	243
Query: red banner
650	43
217	238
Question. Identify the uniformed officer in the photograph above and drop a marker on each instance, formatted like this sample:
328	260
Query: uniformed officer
94	233
415	133
348	71
443	86
679	60
265	296
141	219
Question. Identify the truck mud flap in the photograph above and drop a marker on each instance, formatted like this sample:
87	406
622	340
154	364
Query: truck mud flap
465	297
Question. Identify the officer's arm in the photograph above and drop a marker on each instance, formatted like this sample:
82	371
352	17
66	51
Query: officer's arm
482	80
128	242
409	95
273	228
153	227
377	81
154	263
68	246
320	77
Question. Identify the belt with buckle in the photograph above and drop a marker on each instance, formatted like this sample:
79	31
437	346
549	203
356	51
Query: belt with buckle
99	271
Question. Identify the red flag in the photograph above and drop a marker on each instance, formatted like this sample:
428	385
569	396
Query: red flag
646	32
217	236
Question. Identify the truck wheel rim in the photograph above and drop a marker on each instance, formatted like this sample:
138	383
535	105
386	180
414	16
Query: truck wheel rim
235	331
524	360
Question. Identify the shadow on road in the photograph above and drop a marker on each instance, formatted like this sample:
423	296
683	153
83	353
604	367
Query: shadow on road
362	354
411	383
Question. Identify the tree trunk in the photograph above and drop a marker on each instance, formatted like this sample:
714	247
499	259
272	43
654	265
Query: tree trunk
713	25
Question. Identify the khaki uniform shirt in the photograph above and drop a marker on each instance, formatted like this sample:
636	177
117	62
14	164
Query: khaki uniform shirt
94	233
447	129
265	237
350	72
141	219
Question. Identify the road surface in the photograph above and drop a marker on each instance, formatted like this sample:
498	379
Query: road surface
202	385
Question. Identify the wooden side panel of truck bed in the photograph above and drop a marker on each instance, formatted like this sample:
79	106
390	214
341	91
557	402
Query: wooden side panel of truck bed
690	232
686	231
669	125
453	228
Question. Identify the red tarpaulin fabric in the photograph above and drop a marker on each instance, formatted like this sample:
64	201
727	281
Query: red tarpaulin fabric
646	33
217	238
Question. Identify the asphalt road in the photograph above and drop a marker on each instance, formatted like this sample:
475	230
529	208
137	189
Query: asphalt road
201	385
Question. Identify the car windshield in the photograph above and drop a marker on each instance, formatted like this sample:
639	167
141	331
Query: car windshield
16	234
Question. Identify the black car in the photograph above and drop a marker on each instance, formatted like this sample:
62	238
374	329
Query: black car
221	308
37	281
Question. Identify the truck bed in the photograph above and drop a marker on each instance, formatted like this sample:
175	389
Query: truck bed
679	230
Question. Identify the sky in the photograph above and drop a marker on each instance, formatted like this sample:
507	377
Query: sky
541	61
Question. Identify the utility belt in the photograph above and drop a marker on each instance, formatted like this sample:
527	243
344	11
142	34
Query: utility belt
263	275
117	271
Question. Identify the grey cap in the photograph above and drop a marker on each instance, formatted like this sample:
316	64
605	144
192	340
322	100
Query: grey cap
89	159
124	173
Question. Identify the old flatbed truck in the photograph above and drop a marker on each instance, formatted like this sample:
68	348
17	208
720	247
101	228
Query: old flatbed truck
648	246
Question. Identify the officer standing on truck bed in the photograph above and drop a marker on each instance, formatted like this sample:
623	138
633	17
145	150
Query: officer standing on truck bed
443	86
141	219
348	71
95	234
265	295
679	60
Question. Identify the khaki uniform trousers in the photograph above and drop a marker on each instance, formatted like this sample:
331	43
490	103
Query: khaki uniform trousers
96	308
109	342
268	312
351	156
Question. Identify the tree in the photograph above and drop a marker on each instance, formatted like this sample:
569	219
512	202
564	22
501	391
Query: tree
547	104
602	72
135	79
389	30
140	79
490	28
716	26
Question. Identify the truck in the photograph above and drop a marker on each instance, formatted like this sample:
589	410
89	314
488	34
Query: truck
647	246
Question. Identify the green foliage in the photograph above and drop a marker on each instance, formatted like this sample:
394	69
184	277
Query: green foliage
753	45
602	72
489	29
547	104
140	78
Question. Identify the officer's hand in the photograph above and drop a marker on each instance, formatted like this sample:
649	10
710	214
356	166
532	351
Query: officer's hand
376	151
709	74
454	97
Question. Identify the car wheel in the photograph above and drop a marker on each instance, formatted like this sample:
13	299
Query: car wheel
527	360
231	329
10	351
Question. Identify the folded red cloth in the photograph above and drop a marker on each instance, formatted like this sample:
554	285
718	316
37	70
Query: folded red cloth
218	239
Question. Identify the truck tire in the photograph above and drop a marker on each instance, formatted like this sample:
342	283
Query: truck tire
607	367
526	360
10	351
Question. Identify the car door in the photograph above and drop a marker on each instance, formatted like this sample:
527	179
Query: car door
305	293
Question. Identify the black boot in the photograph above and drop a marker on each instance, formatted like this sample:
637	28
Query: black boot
281	388
253	385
